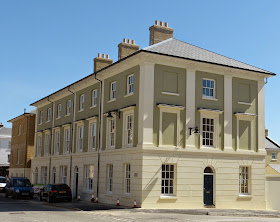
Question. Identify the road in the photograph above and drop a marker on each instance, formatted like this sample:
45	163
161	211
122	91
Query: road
33	211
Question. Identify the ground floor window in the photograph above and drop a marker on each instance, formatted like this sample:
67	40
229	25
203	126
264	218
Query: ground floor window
110	178
167	179
63	174
244	180
127	179
44	175
89	172
54	175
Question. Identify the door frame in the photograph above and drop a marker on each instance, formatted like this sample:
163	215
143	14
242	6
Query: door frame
76	185
214	185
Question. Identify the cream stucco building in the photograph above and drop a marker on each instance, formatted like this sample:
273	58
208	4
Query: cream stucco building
171	126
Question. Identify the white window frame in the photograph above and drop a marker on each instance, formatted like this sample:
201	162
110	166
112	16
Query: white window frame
130	85
110	175
110	132
68	107
245	117
94	98
127	178
166	176
113	91
209	88
44	175
248	178
80	137
41	117
210	114
208	123
91	122
47	143
169	109
274	156
82	102
63	174
57	141
49	113
36	176
129	111
89	177
39	144
67	138
58	111
19	130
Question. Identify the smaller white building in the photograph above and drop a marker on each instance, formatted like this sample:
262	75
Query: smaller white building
5	149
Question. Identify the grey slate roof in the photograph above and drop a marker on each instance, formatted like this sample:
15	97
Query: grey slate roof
271	144
275	167
178	48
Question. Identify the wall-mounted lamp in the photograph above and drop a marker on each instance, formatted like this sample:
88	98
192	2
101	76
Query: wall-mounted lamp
194	130
116	112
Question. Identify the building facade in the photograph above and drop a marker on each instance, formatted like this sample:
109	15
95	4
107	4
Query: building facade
22	146
5	149
170	126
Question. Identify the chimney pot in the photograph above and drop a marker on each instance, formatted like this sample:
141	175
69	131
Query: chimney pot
128	41
161	23
156	22
266	132
124	40
98	55
133	42
103	56
166	24
107	56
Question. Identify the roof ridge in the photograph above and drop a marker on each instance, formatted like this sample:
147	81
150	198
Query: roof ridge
221	55
157	44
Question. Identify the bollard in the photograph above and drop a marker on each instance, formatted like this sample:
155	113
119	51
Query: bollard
92	198
134	206
118	202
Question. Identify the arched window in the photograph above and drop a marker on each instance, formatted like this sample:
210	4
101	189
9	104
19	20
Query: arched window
208	170
36	176
53	175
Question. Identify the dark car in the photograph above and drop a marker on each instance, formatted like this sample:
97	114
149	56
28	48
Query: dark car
52	192
19	187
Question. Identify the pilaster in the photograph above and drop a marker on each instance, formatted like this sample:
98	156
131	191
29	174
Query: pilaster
227	112
261	117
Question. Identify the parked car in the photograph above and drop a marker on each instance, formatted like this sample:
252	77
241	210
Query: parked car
19	187
2	184
52	192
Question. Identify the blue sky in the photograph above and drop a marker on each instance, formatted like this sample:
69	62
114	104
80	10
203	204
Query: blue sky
46	45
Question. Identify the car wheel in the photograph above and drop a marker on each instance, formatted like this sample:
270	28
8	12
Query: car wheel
49	200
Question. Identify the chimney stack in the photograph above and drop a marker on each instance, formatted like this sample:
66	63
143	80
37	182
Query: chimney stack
1	125
126	48
266	132
160	32
101	62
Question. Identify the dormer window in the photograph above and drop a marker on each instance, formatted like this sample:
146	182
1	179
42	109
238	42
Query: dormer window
273	156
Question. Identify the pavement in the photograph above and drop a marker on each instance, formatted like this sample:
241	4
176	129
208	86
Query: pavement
89	206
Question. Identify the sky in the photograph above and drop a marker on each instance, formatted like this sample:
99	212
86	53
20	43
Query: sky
46	45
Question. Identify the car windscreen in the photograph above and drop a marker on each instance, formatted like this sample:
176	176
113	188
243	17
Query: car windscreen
2	180
21	183
60	187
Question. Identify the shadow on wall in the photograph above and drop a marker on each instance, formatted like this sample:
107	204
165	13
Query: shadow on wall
157	175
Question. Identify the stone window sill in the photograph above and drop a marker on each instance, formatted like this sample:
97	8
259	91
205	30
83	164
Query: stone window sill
162	197
209	98
245	196
170	93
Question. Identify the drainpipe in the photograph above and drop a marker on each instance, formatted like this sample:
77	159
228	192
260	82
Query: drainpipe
26	143
99	135
51	140
72	136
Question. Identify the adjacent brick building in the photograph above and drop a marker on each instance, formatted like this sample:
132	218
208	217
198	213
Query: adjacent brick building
22	145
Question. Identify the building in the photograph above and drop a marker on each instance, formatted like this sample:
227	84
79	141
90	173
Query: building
171	126
22	147
5	149
272	172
